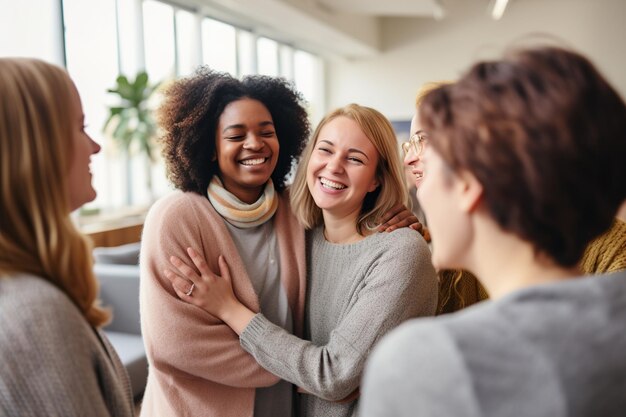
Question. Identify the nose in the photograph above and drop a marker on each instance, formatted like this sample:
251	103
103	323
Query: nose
410	157
253	142
335	163
95	147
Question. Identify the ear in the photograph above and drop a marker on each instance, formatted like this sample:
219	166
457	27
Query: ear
470	191
374	185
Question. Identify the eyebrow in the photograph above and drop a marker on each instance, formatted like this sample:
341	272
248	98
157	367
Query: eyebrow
242	126
349	150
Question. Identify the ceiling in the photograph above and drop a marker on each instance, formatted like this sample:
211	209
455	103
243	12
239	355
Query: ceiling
385	8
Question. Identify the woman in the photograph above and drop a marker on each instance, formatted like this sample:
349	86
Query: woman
55	360
523	169
361	283
228	147
457	288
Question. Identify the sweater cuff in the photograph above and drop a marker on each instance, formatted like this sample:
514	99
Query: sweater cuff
253	332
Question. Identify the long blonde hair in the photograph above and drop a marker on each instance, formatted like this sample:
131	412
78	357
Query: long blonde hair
37	235
389	172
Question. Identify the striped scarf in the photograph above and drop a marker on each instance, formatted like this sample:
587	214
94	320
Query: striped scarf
238	213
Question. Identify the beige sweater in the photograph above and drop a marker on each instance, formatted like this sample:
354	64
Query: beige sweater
197	367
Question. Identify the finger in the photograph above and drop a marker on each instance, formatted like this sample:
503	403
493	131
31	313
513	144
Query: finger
224	269
180	285
198	261
184	269
398	208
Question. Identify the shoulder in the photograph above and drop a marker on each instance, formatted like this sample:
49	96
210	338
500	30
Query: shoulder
404	240
177	204
420	361
31	308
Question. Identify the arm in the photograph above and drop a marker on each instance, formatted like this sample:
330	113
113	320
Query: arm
401	284
180	339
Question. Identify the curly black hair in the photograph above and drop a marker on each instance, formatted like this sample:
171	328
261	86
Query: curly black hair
190	114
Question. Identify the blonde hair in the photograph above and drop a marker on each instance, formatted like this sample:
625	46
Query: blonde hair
389	174
427	88
37	235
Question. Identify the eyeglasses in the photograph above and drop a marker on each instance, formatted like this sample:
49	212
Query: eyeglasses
416	142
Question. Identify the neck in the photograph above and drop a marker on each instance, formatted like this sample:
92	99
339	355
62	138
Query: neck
512	263
341	228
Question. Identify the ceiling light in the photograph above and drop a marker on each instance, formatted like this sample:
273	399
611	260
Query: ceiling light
498	8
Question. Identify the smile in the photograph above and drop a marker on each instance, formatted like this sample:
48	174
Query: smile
252	162
418	175
326	183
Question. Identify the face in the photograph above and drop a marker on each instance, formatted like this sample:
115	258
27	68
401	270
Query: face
80	190
342	168
246	148
412	161
440	196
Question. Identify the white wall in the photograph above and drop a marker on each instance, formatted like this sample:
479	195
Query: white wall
420	50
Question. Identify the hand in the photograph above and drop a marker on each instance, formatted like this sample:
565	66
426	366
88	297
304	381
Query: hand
399	216
212	293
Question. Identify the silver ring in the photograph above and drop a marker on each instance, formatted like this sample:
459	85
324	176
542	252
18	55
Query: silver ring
188	293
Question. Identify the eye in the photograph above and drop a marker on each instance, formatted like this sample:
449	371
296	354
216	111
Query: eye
268	134
325	150
235	137
355	160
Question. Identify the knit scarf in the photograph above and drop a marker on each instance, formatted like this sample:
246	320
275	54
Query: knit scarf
238	213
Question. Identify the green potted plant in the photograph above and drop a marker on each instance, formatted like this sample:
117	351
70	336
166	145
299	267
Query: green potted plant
132	125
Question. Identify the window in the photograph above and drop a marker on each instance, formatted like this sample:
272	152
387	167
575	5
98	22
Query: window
110	37
267	56
219	49
187	42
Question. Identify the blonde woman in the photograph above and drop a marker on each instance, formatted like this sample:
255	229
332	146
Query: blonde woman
55	361
361	283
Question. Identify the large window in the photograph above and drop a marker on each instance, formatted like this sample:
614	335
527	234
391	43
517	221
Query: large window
219	50
105	38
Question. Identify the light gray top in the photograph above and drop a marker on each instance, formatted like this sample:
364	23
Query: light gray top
553	350
258	249
53	362
356	293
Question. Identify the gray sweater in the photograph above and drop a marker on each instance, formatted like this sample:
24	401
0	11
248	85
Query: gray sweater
53	362
553	350
356	293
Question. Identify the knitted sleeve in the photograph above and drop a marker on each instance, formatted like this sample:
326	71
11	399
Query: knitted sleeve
400	283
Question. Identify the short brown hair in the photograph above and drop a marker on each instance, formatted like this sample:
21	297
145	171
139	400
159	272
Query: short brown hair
388	172
545	134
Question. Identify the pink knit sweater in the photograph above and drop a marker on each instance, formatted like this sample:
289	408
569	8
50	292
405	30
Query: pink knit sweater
197	367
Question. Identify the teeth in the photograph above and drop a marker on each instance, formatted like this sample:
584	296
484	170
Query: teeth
332	184
253	161
419	176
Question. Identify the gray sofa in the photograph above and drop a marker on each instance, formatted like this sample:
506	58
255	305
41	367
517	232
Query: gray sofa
117	270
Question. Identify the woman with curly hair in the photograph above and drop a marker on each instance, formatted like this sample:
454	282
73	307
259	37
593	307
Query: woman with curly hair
228	146
525	165
361	283
55	359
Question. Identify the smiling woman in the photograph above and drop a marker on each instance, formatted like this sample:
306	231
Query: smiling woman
228	145
361	283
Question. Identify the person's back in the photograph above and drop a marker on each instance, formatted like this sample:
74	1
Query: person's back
541	351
